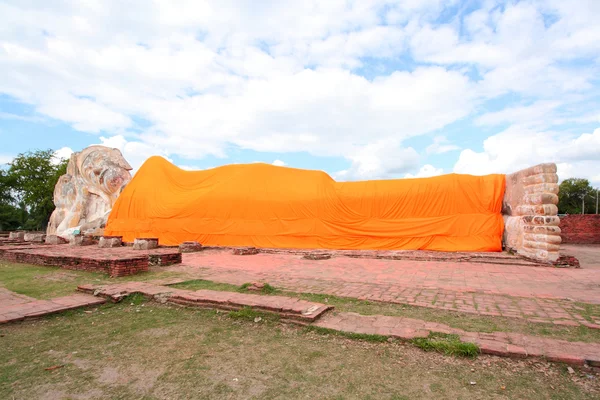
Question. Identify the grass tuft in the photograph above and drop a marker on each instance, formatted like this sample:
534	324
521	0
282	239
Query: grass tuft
349	335
135	299
447	344
248	314
266	289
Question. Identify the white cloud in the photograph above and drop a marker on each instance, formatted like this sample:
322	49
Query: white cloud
384	159
279	163
62	154
515	50
441	145
336	78
280	82
12	116
5	159
517	148
426	171
135	152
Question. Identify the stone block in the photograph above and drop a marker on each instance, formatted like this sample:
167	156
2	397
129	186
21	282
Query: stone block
20	235
106	242
145	243
55	239
245	251
82	240
190	247
317	256
34	237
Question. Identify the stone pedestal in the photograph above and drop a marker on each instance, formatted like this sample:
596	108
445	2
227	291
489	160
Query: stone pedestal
16	235
54	239
145	243
34	237
81	240
110	241
190	247
530	213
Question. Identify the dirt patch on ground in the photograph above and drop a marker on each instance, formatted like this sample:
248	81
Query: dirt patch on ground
156	332
136	377
58	276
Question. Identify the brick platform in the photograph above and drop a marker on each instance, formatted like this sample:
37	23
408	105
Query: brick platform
118	261
288	308
23	307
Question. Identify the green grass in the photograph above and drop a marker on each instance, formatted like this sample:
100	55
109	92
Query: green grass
46	282
248	314
134	299
155	351
447	344
349	335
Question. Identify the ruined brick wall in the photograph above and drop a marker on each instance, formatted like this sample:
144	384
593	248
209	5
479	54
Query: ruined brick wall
114	268
580	229
531	224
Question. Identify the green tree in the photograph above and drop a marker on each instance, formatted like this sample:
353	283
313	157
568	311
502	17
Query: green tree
573	194
10	216
32	177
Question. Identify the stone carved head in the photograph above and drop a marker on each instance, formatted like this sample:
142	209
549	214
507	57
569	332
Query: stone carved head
87	192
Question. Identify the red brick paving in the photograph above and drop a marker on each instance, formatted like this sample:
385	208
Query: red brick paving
538	294
21	307
503	344
287	307
8	298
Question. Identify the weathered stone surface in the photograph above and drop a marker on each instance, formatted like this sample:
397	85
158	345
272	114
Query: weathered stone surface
110	241
85	195
256	286
245	251
34	237
317	256
145	243
530	213
567	261
190	247
20	235
54	239
82	240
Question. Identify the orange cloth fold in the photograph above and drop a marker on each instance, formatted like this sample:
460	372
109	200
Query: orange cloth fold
263	205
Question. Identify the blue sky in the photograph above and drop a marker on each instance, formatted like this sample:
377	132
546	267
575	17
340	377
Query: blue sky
363	90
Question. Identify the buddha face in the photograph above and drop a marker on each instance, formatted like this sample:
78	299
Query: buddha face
106	171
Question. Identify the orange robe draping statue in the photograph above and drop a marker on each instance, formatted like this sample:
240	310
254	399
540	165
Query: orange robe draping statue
263	205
